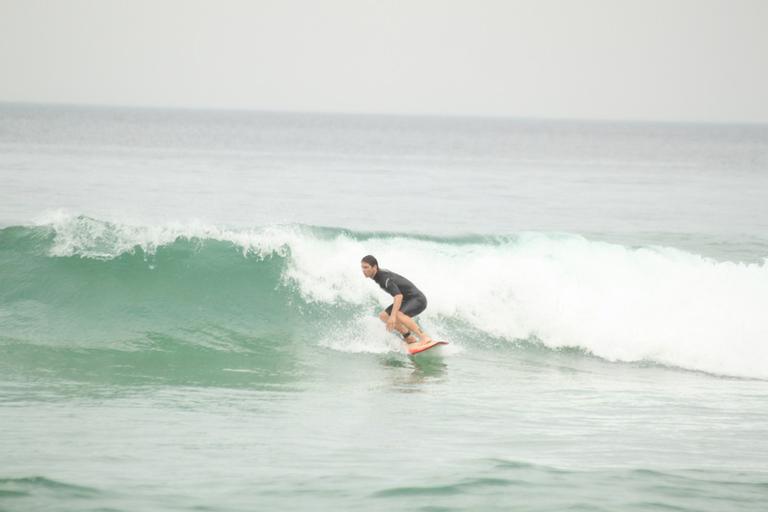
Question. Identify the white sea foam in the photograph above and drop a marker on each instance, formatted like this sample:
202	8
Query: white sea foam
364	334
621	304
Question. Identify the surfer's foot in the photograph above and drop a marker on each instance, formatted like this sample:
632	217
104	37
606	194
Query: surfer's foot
409	338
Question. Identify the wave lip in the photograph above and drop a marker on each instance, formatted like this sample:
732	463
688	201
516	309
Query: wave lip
79	235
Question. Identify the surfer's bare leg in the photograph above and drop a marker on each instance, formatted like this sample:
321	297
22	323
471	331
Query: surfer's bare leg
411	325
401	328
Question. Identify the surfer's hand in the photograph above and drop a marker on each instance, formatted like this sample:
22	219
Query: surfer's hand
391	324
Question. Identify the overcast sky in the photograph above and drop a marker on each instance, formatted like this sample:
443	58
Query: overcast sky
681	60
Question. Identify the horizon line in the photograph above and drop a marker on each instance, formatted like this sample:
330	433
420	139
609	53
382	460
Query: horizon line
319	112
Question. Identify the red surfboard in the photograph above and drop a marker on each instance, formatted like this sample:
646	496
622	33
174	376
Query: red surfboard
421	348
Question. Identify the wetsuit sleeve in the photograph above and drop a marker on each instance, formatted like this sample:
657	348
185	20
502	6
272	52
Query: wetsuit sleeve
390	287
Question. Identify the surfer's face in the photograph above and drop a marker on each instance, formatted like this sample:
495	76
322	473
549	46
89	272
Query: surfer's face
368	271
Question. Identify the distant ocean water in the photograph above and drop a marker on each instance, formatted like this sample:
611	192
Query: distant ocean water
184	324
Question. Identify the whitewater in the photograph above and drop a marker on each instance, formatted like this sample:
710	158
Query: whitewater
184	324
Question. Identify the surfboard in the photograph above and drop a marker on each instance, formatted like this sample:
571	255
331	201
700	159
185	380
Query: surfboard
421	348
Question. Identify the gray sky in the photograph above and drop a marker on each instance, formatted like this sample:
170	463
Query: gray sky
685	60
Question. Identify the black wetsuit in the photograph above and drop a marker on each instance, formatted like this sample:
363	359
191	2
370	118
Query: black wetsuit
414	302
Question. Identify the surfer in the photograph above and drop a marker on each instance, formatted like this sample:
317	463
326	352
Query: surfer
408	301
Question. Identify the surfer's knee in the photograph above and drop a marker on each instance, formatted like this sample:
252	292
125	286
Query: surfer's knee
383	316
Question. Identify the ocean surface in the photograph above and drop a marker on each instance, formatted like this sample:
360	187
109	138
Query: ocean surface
184	325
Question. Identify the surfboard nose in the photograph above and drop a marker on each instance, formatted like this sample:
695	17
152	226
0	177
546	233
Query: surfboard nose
413	350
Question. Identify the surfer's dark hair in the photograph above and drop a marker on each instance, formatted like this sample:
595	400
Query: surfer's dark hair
370	260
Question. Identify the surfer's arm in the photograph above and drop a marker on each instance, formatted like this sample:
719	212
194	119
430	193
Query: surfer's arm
392	321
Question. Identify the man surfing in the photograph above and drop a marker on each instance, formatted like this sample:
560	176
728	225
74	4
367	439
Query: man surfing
408	301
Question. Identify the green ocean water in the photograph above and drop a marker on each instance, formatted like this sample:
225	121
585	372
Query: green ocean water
198	374
184	324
